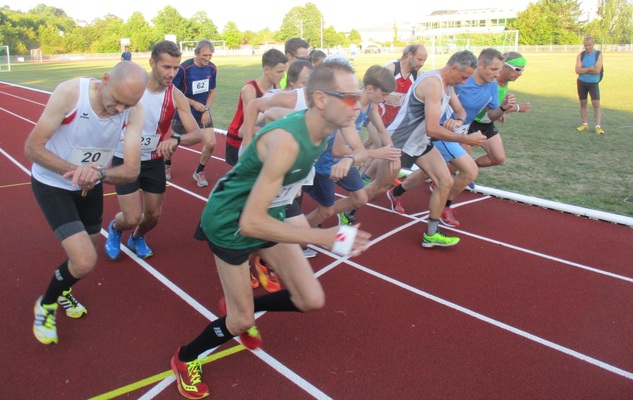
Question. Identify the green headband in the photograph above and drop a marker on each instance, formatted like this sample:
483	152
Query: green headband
517	62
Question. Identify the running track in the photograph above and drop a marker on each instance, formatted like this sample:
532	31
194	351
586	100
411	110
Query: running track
532	304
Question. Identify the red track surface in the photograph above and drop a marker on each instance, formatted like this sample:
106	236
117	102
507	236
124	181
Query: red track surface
532	304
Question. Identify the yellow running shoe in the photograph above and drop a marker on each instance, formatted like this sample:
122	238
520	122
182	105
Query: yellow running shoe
44	327
582	127
599	130
73	308
438	239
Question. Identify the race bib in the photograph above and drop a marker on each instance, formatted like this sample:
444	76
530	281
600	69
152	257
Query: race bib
288	193
149	141
201	86
89	155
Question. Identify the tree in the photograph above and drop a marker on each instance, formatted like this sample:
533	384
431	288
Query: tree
354	37
232	35
615	22
202	27
304	22
549	22
168	21
104	34
140	33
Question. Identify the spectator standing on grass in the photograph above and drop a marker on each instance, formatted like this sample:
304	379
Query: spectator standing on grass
245	213
418	121
196	78
274	66
141	210
126	55
588	68
71	147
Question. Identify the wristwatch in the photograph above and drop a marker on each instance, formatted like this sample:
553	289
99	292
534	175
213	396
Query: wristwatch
177	137
102	172
351	156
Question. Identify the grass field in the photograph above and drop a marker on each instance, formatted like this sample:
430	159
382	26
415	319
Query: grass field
546	156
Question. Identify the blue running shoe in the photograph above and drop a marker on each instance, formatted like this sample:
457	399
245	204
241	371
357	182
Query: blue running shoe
113	242
471	186
139	246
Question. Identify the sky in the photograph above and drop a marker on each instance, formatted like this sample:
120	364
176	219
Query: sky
250	15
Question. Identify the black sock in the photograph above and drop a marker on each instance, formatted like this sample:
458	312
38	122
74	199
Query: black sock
215	334
61	281
399	191
351	213
200	168
448	203
278	301
167	162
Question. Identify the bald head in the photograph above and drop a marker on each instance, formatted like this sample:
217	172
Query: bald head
123	86
129	74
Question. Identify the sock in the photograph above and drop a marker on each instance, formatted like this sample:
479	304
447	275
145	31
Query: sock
351	213
278	301
597	126
61	281
168	162
200	168
448	203
399	191
432	227
215	334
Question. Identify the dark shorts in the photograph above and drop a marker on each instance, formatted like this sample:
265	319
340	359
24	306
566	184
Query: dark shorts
67	212
177	126
294	209
232	154
488	130
322	189
584	88
407	161
151	178
230	256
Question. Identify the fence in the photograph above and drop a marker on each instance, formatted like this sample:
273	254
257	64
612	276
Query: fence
571	48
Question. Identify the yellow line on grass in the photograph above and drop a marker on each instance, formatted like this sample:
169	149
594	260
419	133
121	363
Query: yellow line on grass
159	377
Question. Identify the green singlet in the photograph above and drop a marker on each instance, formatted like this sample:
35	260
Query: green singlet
482	117
220	217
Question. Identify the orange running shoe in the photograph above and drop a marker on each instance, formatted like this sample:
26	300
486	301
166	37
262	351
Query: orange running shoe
251	339
254	282
267	276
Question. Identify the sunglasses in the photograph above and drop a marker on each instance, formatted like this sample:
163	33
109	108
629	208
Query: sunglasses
349	99
515	69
